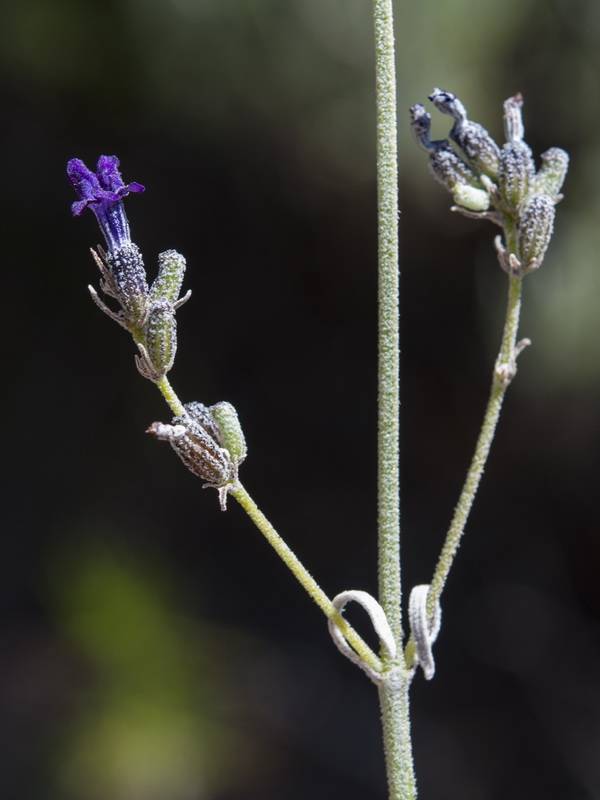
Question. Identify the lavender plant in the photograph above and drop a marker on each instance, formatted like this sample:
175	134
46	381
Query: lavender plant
499	184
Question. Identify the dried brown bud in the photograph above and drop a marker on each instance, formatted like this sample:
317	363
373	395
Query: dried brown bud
192	436
209	441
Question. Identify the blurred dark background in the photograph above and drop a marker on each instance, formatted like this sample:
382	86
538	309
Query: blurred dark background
154	648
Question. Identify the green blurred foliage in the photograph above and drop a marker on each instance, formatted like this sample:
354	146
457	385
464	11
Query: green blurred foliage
158	710
147	727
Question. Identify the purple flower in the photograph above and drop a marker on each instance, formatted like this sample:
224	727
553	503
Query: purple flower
103	192
122	267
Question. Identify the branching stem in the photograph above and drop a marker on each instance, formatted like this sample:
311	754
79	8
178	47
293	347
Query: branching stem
290	559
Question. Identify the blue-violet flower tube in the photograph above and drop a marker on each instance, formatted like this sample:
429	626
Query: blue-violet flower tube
103	191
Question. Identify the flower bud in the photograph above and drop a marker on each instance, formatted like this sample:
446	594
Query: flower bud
471	198
513	119
420	125
446	166
481	150
535	231
517	172
171	269
231	435
551	174
478	146
450	170
161	337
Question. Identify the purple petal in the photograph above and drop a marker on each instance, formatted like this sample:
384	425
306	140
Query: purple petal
108	173
103	191
82	179
110	179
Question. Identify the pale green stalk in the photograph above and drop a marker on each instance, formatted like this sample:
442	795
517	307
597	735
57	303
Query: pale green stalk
163	384
504	370
393	689
168	393
303	575
484	442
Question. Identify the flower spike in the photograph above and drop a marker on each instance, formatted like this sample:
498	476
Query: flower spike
500	185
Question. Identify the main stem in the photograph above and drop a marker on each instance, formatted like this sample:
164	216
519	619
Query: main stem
389	335
393	690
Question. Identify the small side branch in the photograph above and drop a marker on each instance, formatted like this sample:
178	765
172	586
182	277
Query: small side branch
504	371
304	577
